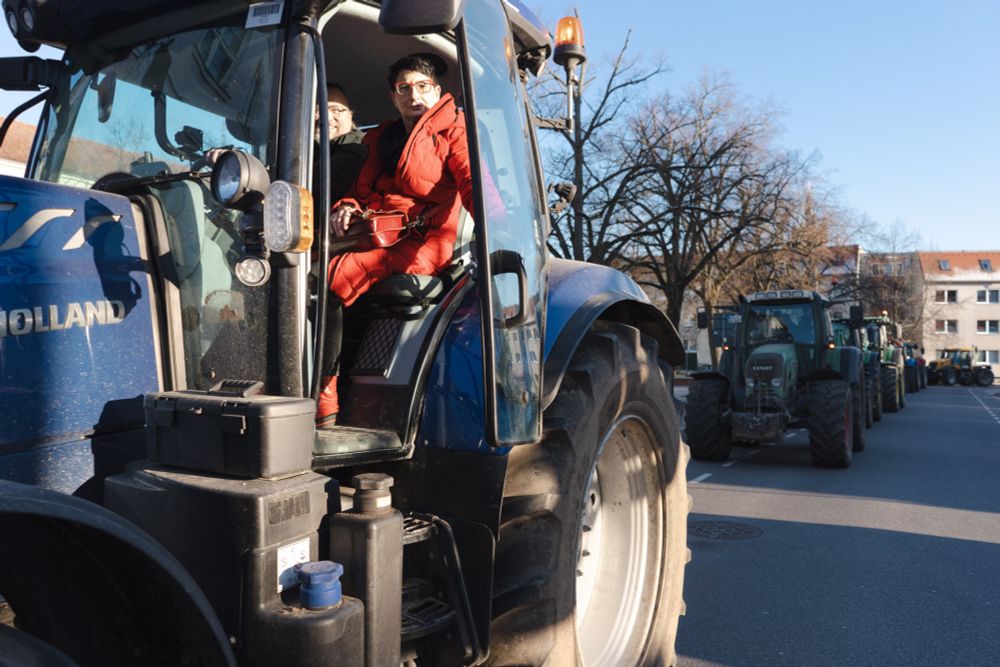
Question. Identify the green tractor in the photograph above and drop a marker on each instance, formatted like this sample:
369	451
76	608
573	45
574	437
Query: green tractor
851	332
882	331
784	369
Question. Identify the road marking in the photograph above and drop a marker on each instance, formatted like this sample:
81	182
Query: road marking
729	463
700	478
988	409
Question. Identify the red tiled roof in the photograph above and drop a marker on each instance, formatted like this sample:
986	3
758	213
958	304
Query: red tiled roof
965	261
17	143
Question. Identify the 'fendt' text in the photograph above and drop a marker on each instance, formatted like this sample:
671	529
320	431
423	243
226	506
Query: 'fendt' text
40	319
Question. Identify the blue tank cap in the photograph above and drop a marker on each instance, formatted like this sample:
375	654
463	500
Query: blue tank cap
319	583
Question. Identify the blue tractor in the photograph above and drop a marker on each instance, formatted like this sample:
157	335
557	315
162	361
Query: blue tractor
505	484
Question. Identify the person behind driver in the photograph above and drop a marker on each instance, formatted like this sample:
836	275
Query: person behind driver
347	151
418	164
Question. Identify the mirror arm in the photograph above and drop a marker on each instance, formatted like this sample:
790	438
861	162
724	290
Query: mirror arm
9	120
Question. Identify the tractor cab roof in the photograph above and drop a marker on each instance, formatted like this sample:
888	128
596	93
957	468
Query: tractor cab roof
785	296
107	27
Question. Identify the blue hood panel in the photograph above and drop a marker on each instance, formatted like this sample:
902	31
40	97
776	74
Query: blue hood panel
77	348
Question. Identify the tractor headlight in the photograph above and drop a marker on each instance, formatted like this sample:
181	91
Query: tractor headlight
239	180
776	382
749	383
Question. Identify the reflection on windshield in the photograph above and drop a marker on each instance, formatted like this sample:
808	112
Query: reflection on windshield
781	324
159	110
165	104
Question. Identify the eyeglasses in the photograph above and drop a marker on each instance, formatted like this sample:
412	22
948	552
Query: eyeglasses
337	109
422	87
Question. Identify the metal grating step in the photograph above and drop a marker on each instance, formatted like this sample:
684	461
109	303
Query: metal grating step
417	530
423	614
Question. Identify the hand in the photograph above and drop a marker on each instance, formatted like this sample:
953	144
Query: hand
340	219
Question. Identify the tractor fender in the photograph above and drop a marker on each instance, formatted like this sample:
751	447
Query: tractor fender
844	363
582	293
97	588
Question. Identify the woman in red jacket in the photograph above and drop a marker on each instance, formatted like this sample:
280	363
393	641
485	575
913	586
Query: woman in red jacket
419	165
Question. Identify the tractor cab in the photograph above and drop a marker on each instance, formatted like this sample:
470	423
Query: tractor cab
133	112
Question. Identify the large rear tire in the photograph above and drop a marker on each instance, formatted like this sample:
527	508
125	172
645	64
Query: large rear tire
869	402
592	546
875	385
830	423
902	388
890	389
705	426
858	416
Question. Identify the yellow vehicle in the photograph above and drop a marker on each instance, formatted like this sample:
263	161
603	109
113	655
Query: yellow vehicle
959	365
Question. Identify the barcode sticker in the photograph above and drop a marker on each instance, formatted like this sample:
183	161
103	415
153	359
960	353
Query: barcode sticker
288	557
265	13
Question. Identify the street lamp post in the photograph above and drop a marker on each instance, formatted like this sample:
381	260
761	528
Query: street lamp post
570	55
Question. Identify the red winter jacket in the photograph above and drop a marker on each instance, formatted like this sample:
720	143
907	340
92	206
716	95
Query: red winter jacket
433	172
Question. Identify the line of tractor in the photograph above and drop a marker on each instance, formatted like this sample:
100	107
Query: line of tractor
788	361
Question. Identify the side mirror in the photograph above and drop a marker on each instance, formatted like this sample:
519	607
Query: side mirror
566	193
898	330
404	17
106	96
702	319
857	315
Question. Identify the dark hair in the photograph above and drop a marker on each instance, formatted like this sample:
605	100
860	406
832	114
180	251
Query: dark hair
427	64
339	88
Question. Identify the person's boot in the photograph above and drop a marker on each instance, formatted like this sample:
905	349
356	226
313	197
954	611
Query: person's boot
327	406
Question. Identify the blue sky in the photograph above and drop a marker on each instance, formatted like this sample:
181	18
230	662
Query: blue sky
900	98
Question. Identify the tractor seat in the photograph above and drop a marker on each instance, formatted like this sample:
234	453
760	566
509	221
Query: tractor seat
401	296
407	295
405	288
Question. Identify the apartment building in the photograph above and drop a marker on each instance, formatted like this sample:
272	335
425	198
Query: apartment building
962	305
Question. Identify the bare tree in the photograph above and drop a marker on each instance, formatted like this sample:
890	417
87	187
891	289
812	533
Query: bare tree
889	279
596	157
714	187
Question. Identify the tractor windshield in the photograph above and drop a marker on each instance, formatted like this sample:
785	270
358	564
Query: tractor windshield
785	323
162	106
157	111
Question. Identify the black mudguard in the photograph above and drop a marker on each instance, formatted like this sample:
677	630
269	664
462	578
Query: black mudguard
97	588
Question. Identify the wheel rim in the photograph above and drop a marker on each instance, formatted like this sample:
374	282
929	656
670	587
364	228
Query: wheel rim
621	548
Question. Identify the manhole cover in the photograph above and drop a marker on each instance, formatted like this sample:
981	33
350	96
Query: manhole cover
722	530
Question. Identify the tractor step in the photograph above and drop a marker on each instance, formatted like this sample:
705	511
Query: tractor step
416	530
423	614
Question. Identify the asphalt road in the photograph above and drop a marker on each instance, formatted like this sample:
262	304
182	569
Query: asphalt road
893	561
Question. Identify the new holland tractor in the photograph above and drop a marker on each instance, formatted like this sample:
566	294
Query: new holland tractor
785	369
505	483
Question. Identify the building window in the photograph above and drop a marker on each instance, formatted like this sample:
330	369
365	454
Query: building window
946	296
946	326
988	296
988	326
988	356
986	265
944	265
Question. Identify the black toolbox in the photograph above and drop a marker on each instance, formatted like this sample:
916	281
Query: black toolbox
231	429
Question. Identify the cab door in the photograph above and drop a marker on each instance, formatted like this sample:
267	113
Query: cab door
510	226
